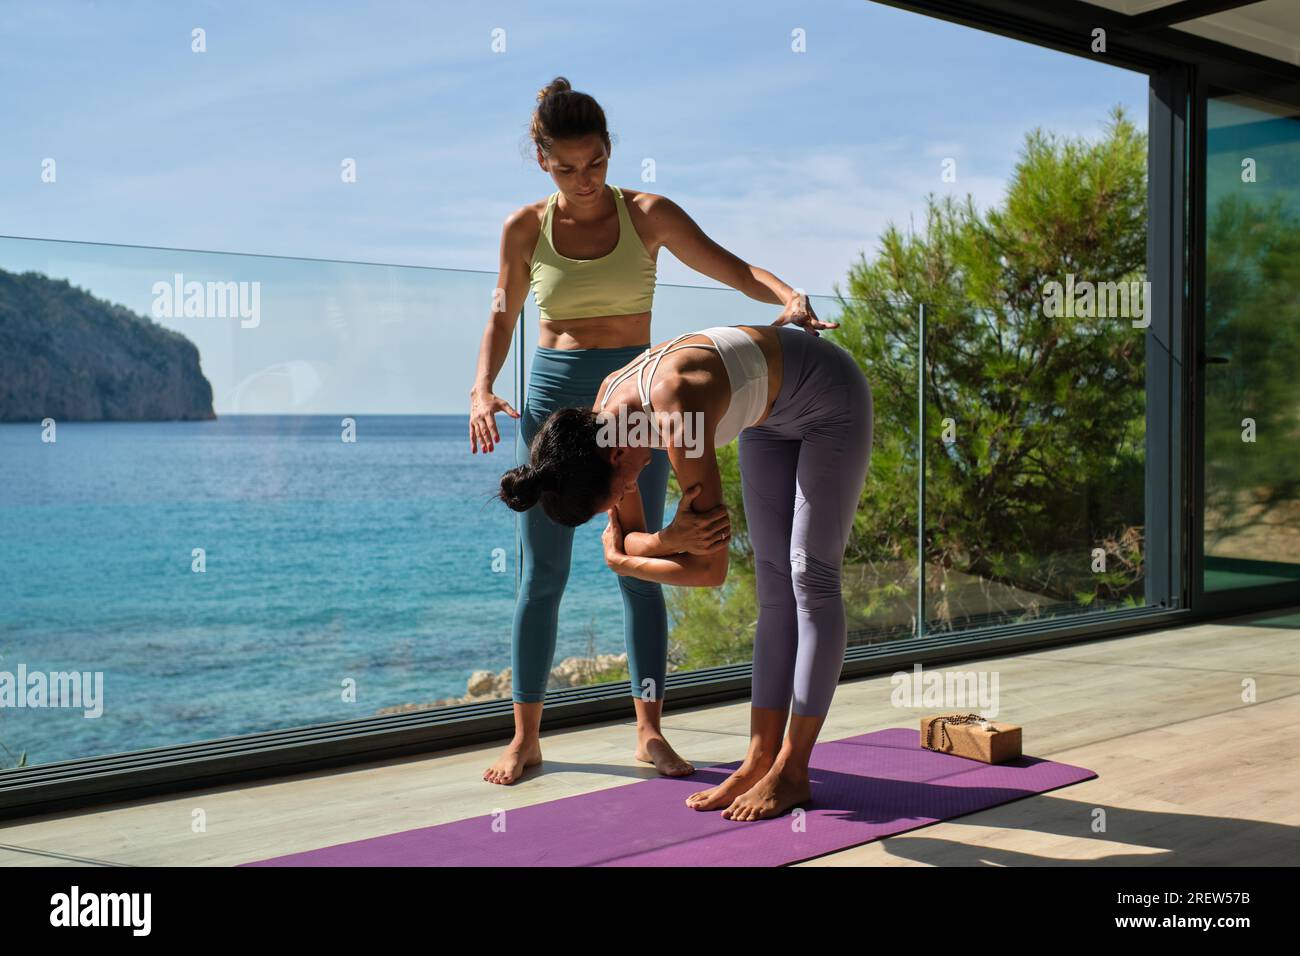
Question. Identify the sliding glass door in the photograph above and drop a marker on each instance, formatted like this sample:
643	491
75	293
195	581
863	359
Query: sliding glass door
1251	354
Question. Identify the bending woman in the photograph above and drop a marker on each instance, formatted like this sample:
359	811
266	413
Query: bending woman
588	251
803	412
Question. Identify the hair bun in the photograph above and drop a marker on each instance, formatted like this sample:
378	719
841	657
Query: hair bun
522	487
557	85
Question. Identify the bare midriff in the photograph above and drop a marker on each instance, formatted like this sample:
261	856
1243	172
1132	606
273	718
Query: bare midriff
596	332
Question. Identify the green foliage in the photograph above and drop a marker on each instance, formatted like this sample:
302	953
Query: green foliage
19	761
618	673
1253	318
715	626
1045	415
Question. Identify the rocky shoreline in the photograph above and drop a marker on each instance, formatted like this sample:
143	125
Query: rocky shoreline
495	685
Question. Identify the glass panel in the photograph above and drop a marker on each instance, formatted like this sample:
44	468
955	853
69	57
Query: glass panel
710	627
1252	341
880	576
1034	463
326	547
322	549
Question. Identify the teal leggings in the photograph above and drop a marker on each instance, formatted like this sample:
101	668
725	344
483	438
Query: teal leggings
565	378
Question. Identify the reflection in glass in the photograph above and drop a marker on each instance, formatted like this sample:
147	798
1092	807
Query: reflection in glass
1252	336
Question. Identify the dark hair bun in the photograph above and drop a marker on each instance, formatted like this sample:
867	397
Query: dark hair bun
565	113
568	471
522	487
557	85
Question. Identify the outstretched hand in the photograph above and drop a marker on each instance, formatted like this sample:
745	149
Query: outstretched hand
483	431
799	311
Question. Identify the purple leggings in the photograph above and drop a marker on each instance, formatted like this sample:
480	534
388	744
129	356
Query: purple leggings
802	471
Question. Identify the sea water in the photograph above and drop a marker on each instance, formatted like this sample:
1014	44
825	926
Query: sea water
240	575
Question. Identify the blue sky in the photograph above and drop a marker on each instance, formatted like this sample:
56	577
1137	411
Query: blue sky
793	161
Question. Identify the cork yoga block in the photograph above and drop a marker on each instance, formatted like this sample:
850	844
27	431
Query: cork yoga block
971	736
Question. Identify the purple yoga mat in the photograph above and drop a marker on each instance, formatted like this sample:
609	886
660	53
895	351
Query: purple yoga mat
863	788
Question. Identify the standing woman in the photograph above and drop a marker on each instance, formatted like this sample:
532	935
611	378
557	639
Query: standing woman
588	251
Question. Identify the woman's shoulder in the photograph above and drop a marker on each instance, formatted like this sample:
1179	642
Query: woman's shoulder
645	202
656	217
691	379
523	227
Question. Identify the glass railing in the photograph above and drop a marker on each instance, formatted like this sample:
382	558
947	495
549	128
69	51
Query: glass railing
326	547
322	549
1034	462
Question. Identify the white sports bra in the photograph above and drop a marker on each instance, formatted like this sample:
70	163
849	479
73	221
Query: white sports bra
746	370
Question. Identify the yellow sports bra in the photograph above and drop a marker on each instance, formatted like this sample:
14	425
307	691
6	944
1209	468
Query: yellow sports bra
621	283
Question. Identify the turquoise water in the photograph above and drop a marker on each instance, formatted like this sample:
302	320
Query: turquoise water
325	561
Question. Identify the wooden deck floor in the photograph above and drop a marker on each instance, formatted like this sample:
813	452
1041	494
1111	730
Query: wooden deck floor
1189	773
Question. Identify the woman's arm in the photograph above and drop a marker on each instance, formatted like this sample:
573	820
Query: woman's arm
689	531
684	570
507	299
679	233
631	518
627	518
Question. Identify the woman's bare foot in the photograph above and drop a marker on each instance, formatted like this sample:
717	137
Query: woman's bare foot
778	790
651	747
742	778
519	756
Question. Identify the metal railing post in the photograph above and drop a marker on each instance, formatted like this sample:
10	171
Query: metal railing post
519	423
920	472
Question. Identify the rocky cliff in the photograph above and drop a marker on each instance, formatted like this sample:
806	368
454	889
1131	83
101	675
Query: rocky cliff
492	685
68	356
